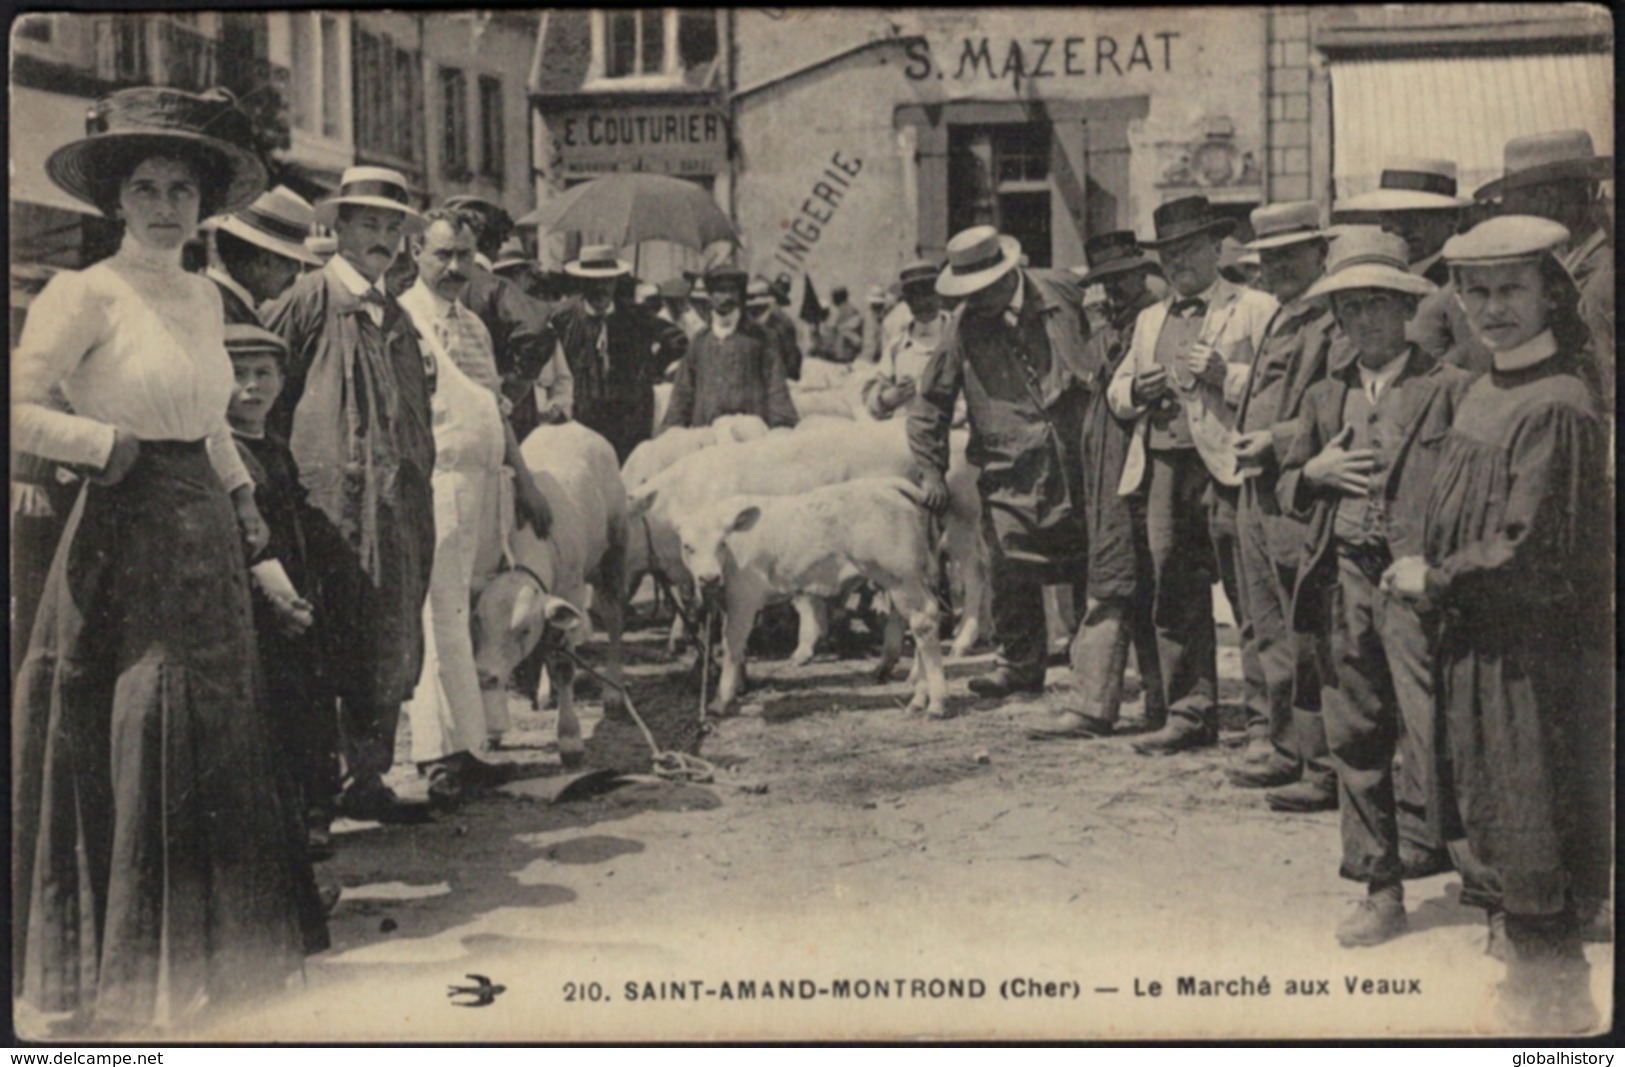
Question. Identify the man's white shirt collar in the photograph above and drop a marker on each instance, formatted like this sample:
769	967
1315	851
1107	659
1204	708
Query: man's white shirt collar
230	283
1018	299
1376	382
721	328
351	278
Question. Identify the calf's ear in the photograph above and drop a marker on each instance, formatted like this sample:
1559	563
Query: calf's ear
561	614
745	519
639	504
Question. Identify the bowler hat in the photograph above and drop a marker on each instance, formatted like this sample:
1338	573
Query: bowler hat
598	261
1112	253
1363	257
1279	225
1185	217
152	120
977	258
279	221
378	187
1411	185
1545	157
1505	239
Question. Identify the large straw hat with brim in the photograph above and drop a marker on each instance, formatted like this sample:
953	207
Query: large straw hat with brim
598	261
920	274
378	187
1114	252
1411	185
1279	225
1505	239
246	339
1186	217
134	124
1545	157
977	258
1363	257
511	254
758	294
278	221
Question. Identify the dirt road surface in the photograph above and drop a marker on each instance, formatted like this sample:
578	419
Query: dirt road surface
1073	885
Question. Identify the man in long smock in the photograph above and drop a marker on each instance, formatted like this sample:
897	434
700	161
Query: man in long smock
357	403
1016	349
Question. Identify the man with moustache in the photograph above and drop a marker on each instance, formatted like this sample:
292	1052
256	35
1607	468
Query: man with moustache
733	366
473	442
1286	746
356	413
1186	370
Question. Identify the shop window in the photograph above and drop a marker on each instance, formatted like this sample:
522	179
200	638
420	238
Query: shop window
453	123
999	176
388	100
492	163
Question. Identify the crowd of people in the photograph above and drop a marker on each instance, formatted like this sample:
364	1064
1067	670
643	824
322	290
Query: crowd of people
268	490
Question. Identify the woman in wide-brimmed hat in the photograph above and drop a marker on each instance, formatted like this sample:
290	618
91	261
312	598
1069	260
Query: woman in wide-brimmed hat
157	870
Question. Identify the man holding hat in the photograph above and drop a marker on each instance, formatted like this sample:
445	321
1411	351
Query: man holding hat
615	350
1118	610
358	405
1185	372
1286	737
256	254
732	366
1016	349
1360	468
1557	176
904	356
517	321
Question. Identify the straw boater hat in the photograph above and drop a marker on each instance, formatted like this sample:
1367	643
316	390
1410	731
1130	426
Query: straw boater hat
135	123
1505	239
757	293
322	245
920	274
1279	225
1545	157
371	187
877	295
977	258
1182	218
1112	253
279	221
598	261
1411	185
1363	257
243	339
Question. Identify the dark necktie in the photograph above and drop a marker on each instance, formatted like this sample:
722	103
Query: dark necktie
1188	307
370	295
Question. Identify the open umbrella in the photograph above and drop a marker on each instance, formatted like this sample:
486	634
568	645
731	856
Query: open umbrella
628	209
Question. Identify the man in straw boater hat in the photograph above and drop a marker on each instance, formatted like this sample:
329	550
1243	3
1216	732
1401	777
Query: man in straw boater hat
732	366
1117	614
517	321
1286	750
1015	348
1558	176
904	356
615	349
255	254
1186	370
1360	468
357	404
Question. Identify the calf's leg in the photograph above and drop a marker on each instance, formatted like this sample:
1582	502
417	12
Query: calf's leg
562	669
814	616
740	618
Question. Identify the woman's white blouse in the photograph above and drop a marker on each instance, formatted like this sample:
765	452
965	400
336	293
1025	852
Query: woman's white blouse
135	343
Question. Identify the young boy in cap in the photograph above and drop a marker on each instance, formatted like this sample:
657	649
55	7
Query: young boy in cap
303	718
1360	469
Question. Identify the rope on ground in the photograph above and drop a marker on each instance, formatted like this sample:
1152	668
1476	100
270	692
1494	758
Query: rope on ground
669	765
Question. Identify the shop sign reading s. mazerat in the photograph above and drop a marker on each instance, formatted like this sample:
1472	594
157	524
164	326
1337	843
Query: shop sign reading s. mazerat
662	140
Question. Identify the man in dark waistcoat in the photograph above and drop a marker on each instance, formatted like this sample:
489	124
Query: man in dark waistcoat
1016	348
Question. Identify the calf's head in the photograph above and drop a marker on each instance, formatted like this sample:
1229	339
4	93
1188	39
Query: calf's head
704	535
511	614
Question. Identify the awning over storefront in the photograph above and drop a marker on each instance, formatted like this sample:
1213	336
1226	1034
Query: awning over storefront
40	124
1464	109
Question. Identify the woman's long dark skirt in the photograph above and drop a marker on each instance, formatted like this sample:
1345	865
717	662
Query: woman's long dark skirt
156	868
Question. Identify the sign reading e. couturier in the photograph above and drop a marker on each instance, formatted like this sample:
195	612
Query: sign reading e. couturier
664	140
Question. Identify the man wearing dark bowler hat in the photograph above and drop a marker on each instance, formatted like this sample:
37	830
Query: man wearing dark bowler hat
517	321
1185	372
255	254
1015	347
1286	744
733	365
1557	176
1117	614
356	413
